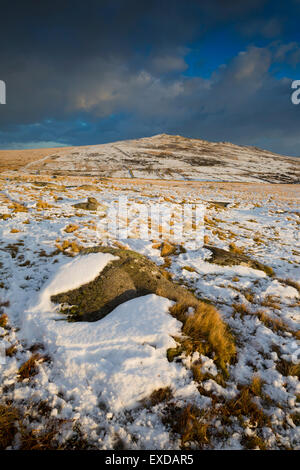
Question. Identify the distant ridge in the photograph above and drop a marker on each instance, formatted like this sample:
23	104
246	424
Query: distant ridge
170	157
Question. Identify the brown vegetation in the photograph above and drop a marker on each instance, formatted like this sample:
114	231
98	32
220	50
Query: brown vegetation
206	333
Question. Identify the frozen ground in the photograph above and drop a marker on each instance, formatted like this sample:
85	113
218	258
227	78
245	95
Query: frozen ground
97	379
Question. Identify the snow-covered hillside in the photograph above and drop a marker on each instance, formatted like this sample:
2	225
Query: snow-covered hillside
171	157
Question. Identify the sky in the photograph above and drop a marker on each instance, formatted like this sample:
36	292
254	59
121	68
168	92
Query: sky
80	73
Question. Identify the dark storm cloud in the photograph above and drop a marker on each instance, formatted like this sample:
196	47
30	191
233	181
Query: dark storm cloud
53	51
94	71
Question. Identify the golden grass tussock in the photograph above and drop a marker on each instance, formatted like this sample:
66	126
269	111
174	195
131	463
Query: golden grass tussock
3	320
249	296
193	428
8	429
206	333
208	221
242	309
287	368
11	350
256	385
243	406
189	268
167	249
68	245
275	324
156	245
268	270
271	302
12	421
254	442
190	424
41	440
30	368
16	207
198	375
196	426
239	250
43	205
71	228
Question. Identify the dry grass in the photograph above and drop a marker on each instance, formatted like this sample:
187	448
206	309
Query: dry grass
256	385
200	376
275	324
167	249
3	320
43	205
242	309
243	407
45	439
236	249
8	429
5	216
12	421
271	302
16	207
194	429
197	426
190	423
249	296
288	368
161	395
11	350
189	268
68	245
71	228
30	368
268	270
206	333
291	283
254	442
